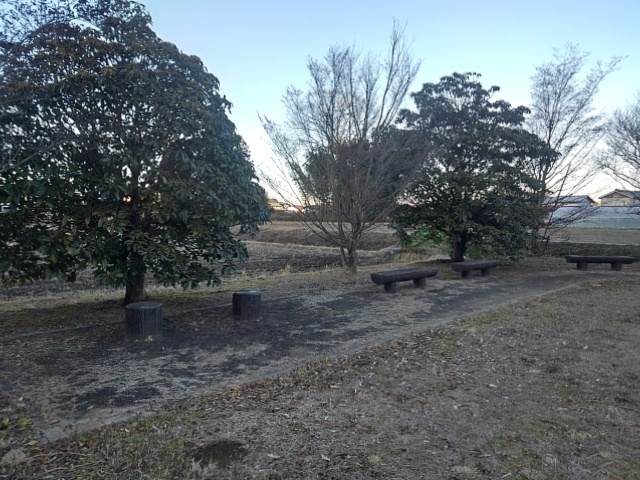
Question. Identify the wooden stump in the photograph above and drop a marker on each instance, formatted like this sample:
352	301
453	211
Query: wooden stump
143	319
246	304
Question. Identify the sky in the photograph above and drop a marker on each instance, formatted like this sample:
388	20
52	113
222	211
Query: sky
256	48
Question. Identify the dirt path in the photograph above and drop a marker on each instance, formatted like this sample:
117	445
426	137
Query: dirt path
78	377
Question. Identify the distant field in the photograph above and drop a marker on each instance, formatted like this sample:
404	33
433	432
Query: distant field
614	236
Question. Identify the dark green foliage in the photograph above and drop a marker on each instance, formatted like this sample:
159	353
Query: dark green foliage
422	238
119	156
472	188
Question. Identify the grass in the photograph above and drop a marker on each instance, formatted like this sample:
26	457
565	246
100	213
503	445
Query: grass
562	249
546	388
511	393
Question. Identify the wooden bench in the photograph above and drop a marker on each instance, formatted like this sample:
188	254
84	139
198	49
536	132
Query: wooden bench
466	268
391	278
583	261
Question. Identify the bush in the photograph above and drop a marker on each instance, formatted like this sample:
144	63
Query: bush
422	238
283	216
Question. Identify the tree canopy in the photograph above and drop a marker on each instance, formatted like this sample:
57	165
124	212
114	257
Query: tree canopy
621	155
472	189
335	156
119	155
563	116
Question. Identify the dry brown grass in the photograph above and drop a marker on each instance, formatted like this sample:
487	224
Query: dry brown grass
598	235
547	388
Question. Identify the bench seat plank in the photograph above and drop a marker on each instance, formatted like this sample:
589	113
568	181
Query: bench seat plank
391	278
582	261
466	268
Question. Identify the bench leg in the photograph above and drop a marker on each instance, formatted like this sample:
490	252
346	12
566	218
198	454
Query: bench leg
420	282
391	287
485	272
582	265
617	266
466	274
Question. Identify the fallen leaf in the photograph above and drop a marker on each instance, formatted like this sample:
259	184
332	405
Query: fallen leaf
374	459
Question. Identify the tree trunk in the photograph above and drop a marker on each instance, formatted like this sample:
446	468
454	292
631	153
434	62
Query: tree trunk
135	291
459	249
343	257
135	287
349	257
352	261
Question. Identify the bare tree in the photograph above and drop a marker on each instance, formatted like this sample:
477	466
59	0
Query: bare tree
621	156
334	155
562	114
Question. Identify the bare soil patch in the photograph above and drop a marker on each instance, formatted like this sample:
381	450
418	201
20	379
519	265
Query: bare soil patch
531	373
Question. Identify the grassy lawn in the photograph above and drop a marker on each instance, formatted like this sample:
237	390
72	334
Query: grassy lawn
545	388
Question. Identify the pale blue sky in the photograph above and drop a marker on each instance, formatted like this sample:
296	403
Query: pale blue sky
258	47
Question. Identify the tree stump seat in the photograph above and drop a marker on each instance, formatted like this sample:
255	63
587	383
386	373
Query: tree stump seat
391	278
246	304
466	268
143	319
582	261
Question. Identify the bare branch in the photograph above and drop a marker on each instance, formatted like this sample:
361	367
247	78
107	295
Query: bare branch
621	158
334	156
562	114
